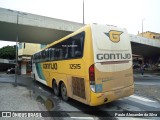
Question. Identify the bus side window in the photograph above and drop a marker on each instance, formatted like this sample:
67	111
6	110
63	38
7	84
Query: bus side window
64	49
57	53
42	55
78	54
60	54
52	52
65	53
69	49
78	46
37	60
78	50
46	55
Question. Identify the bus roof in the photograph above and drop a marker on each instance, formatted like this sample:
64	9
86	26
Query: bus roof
74	33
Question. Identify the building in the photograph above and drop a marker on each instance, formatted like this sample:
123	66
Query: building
151	35
25	51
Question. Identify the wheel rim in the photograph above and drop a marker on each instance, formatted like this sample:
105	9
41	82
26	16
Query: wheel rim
64	92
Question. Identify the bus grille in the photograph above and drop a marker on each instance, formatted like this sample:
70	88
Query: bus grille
78	87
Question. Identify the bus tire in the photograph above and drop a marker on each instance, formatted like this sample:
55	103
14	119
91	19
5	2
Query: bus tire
55	88
64	92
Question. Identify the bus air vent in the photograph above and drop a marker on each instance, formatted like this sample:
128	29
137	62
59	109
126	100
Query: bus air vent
78	87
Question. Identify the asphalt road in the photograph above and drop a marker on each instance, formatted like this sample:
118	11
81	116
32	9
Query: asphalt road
147	79
73	109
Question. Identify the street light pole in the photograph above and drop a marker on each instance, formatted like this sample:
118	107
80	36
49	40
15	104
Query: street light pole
16	66
142	26
83	11
17	27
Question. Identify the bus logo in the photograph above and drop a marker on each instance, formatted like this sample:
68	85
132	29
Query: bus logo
114	35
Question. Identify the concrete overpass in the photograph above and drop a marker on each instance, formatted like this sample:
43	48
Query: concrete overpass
144	46
33	28
39	29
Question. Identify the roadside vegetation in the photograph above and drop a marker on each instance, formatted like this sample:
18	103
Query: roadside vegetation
8	52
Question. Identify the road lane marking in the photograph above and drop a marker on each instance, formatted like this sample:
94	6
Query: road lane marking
142	98
83	118
130	118
143	101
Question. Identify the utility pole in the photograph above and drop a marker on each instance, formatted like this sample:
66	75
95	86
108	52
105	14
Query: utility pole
142	26
17	37
83	11
16	66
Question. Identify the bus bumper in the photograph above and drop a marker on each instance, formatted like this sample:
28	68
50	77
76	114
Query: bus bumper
102	98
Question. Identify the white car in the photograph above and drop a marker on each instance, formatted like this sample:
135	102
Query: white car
11	71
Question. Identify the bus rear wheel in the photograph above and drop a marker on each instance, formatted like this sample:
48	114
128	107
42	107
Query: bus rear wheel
55	88
64	92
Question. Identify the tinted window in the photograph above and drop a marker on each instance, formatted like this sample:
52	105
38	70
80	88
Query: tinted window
69	49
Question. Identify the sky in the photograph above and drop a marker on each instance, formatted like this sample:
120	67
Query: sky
127	14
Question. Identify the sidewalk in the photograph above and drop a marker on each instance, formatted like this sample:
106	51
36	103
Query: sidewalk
22	99
18	99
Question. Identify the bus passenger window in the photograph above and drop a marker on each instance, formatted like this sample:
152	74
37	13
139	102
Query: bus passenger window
46	55
57	54
51	52
78	53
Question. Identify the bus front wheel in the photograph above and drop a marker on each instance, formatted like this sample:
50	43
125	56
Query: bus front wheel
55	88
64	92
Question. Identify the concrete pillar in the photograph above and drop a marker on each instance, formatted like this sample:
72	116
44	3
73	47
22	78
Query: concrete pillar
23	68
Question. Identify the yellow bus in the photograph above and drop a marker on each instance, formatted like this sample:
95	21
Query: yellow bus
92	65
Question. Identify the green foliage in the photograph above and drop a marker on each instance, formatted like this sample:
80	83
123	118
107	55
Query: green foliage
8	52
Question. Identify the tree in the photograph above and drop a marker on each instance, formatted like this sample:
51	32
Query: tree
8	52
